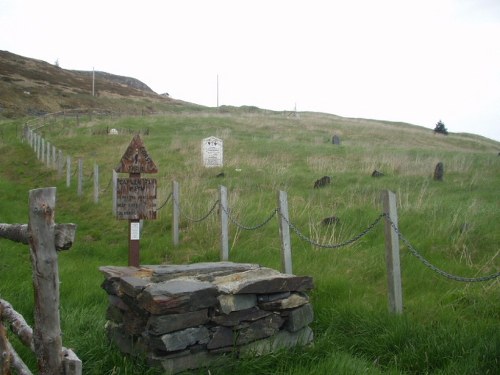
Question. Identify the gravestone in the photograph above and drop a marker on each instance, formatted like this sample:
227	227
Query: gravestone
212	150
439	172
322	182
336	140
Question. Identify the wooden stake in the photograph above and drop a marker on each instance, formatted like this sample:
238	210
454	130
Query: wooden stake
47	331
224	221
395	293
286	250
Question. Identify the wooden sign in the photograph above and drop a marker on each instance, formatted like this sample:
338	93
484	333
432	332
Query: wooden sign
136	159
136	198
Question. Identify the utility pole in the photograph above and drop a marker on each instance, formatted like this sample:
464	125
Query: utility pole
93	80
217	91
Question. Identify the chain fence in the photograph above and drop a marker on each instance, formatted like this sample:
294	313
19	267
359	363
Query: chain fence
346	243
429	265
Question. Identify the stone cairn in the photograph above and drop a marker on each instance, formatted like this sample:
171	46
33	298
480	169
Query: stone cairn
183	317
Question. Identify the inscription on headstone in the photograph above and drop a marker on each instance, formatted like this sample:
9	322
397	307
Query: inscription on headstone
212	152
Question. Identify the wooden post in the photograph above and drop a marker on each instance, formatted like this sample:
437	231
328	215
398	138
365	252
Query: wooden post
96	183
224	234
115	185
47	330
80	177
42	152
47	162
286	250
175	212
134	246
59	164
54	159
395	293
68	171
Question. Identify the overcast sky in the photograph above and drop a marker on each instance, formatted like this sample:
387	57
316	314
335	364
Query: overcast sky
414	61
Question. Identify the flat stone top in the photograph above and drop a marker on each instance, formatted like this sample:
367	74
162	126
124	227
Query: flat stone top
227	277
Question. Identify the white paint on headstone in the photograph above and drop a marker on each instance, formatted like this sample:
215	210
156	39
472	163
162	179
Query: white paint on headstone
212	152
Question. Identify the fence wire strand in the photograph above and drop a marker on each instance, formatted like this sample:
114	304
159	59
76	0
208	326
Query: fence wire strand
428	264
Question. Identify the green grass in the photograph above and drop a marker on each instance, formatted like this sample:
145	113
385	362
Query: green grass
447	327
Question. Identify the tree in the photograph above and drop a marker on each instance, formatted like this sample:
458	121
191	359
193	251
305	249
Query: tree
440	128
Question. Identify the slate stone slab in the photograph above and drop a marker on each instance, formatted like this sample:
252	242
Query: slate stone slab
179	340
292	301
237	317
299	318
262	281
177	296
236	302
160	324
198	270
282	340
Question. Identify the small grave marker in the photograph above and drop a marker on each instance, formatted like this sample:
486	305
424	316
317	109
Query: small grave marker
136	196
336	140
212	152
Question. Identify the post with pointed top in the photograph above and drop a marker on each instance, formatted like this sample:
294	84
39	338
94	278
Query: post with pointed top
395	292
135	196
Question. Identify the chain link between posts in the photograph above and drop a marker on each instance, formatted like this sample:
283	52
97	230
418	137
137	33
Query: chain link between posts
257	226
196	220
415	253
333	246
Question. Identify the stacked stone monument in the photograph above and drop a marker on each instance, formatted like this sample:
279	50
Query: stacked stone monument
188	316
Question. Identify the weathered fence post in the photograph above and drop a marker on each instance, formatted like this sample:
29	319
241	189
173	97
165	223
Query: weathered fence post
395	293
175	212
60	164
115	185
96	183
286	250
68	171
47	329
224	234
80	177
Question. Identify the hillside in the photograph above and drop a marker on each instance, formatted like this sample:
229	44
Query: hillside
34	87
448	326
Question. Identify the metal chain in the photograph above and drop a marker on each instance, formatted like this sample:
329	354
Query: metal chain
196	220
333	246
434	268
164	203
258	226
107	187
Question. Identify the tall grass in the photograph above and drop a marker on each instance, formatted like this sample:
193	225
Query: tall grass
447	327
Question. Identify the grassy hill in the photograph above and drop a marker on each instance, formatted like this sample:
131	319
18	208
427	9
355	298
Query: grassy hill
448	326
34	87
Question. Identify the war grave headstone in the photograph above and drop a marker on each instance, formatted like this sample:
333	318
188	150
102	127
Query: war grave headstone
212	149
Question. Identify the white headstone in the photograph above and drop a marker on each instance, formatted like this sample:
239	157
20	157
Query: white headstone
212	152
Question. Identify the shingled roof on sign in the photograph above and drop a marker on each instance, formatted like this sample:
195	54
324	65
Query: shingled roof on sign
136	159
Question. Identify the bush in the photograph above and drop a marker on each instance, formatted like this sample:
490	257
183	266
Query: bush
440	128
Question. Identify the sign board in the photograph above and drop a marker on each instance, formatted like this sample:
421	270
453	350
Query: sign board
136	159
212	152
136	198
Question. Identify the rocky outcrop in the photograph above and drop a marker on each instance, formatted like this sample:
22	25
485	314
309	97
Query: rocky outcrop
187	316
